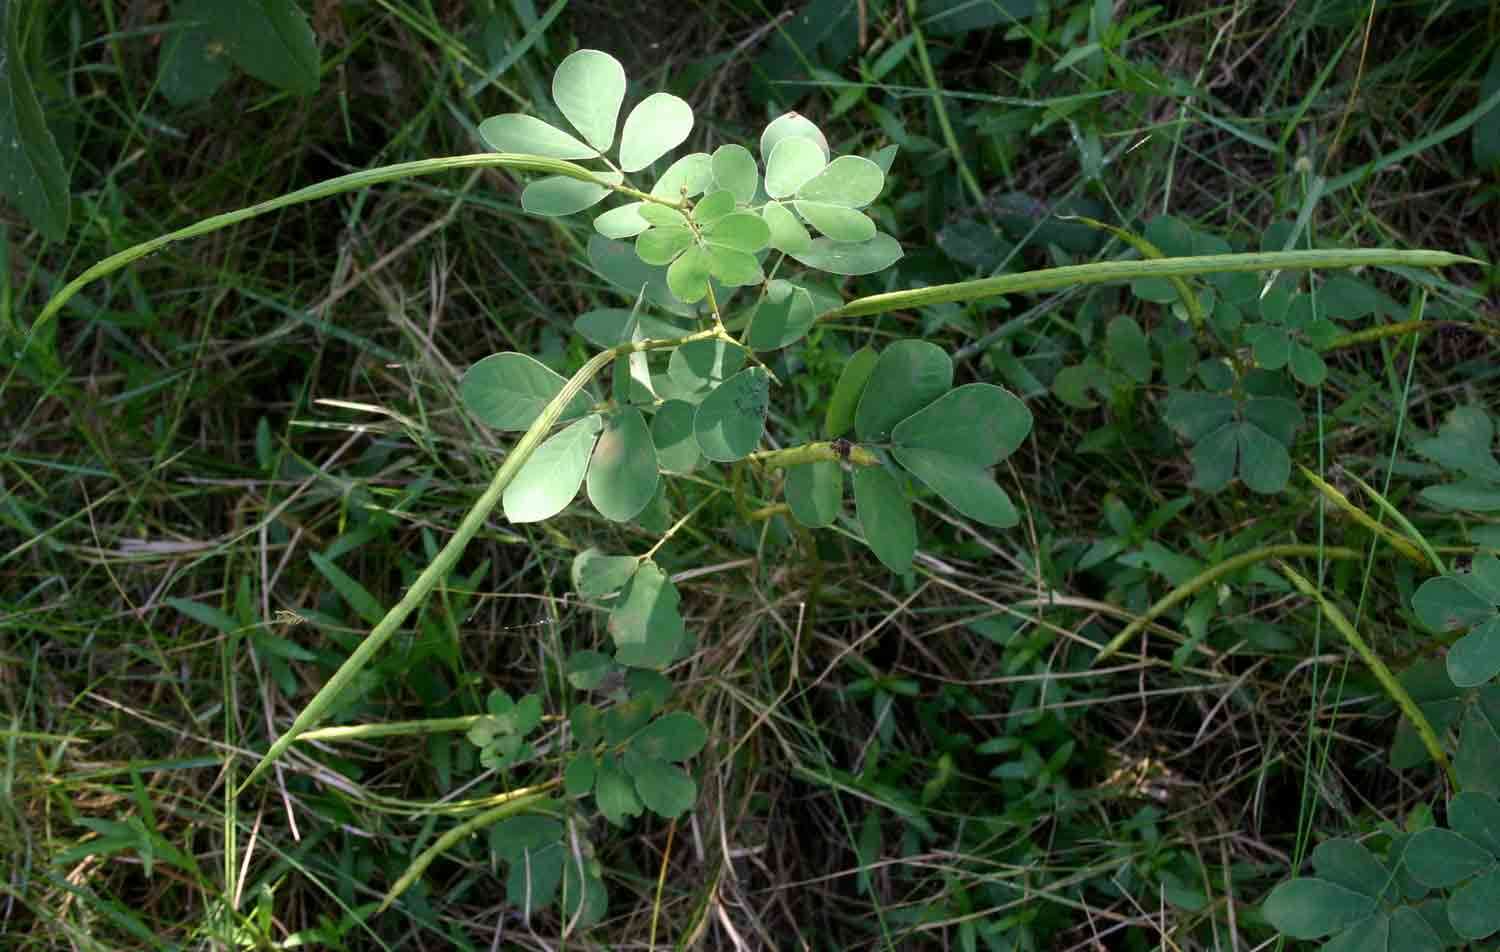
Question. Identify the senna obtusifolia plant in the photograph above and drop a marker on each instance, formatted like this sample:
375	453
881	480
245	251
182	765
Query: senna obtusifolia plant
721	259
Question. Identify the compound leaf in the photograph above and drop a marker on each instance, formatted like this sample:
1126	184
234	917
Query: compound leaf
672	737
551	477
518	132
672	432
909	375
665	789
1308	908
794	160
559	195
977	422
784	316
849	180
731	419
886	517
815	493
657	125
623	473
508	391
734	169
589	87
839	257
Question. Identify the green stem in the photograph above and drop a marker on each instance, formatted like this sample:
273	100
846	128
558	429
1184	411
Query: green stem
815	453
436	725
1212	574
1377	667
447	557
1105	272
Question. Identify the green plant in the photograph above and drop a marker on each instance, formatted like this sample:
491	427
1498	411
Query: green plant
709	227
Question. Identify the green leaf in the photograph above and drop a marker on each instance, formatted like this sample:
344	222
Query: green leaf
688	275
1477	761
688	177
1487	129
585	900
1440	858
848	391
672	737
886	517
551	477
616	261
656	126
1346	862
794	160
848	180
731	419
558	195
587	722
1474	909
1271	344
614	793
966	487
839	257
787	233
1448	603
1475	658
511	838
1472	494
815	493
1463	443
1072	385
979	423
588	669
623	473
1214	458
269	39
355	595
1194	415
532	882
623	222
672	432
742	231
733	268
579	775
508	391
665	789
206	615
704	363
790	125
528	135
784	316
605	327
32	175
194	63
1129	348
734	169
836	221
714	206
662	245
589	87
1411	933
909	375
1307	908
645	624
595	574
1265	465
1308	366
1346	297
1279	418
1368	934
1476	816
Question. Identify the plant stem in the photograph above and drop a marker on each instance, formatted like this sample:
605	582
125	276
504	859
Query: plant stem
815	453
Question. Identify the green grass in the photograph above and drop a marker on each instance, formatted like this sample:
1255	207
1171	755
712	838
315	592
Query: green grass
924	763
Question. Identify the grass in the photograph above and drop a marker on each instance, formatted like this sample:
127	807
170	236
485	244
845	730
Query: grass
924	763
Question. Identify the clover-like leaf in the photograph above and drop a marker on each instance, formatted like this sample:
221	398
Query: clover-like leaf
784	316
688	274
1129	348
968	488
664	788
787	232
1458	602
589	87
528	135
623	471
1309	908
851	258
730	420
741	231
794	161
688	177
1441	858
1474	908
791	125
885	515
672	737
838	222
579	775
551	477
909	375
849	180
1349	864
848	391
1464	444
657	125
815	493
645	624
615	793
734	170
1256	447
979	423
623	222
589	669
663	245
559	195
672	432
703	364
508	391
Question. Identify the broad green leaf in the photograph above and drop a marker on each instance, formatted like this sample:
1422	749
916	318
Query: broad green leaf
585	900
1214	458
1477	761
1073	384
787	233
784	317
730	421
666	790
794	160
656	126
909	375
1346	297
579	775
355	595
587	722
885	515
617	262
734	169
1448	603
742	231
653	687
614	793
838	257
1271	344
511	838
1307	365
688	275
508	391
1278	417
672	432
1475	658
1484	577
1349	864
1476	816
788	126
1411	933
1129	348
1463	443
704	363
714	206
623	222
645	624
1472	494
1265	465
848	391
1367	935
623	473
1194	415
589	87
836	221
532	882
1308	908
588	669
688	177
33	175
1474	909
1440	858
967	487
732	268
605	326
662	245
673	737
194	63
848	180
978	422
551	477
518	132
558	195
269	39
815	493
